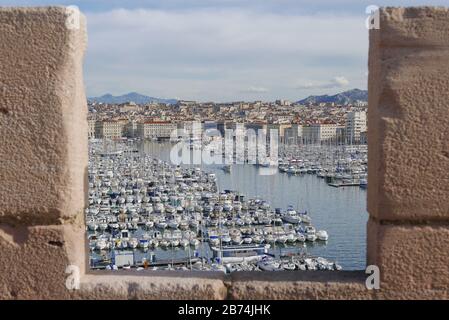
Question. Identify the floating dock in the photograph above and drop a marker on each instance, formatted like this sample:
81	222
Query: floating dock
158	263
344	184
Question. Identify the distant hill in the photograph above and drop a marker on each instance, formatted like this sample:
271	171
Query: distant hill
132	96
346	97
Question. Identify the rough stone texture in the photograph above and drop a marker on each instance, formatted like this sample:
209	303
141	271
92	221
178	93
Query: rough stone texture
413	260
414	26
408	111
43	154
309	285
44	158
33	260
150	285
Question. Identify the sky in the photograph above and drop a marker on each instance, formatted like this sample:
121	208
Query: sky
225	50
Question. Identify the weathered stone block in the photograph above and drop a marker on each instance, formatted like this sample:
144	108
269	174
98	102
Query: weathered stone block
307	285
407	118
151	285
33	261
413	260
43	153
414	26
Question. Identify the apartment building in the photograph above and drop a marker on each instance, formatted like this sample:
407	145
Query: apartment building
91	128
155	129
109	129
130	129
129	107
355	125
293	135
192	128
319	132
256	126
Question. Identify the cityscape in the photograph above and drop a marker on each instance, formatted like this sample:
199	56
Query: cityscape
295	123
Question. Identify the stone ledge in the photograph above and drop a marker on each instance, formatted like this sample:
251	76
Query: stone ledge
144	285
299	285
241	285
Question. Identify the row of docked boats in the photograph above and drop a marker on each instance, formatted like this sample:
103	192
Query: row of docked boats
138	202
125	235
339	165
267	264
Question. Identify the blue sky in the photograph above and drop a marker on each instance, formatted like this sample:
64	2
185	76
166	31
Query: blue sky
225	50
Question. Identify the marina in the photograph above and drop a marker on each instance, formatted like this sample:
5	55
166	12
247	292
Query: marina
194	218
340	166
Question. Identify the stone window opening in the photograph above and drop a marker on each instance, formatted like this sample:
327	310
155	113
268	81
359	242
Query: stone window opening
43	124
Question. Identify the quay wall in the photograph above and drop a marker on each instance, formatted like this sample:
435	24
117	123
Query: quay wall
43	173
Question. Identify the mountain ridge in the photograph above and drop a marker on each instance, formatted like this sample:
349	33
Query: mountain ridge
129	97
346	97
343	98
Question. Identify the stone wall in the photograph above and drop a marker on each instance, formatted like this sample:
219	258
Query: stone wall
43	152
408	152
43	156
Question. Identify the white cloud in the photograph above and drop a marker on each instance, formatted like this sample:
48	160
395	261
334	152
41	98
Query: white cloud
255	90
213	54
336	82
340	81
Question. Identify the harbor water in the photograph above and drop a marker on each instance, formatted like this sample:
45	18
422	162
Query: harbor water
339	211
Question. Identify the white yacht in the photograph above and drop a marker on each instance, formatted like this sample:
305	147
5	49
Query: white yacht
173	224
291	238
291	216
269	265
236	240
282	239
322	235
144	243
161	224
184	243
239	254
149	224
133	243
101	244
300	237
310	233
194	242
306	219
226	239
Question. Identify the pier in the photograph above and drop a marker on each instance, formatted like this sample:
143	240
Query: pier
344	184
